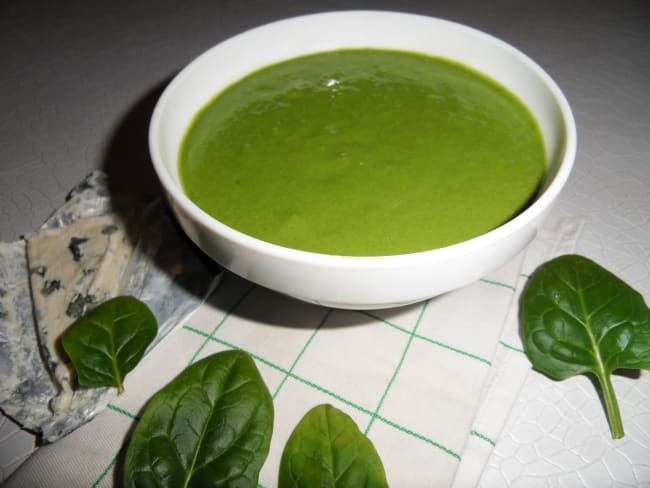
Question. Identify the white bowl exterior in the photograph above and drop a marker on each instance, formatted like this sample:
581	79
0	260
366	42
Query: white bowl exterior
359	282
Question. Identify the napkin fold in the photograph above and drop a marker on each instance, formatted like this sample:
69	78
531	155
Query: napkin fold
510	366
431	384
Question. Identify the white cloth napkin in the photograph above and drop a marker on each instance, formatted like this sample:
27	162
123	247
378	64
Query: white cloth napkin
510	366
431	383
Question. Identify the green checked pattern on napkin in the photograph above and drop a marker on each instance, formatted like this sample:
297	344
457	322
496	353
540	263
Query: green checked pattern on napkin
425	382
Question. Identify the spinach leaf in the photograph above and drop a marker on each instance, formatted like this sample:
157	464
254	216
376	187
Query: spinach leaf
109	341
580	318
211	426
327	449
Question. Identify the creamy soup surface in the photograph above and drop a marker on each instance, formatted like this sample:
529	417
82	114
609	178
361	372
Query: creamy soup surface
363	152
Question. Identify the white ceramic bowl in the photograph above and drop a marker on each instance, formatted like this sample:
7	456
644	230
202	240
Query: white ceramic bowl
360	282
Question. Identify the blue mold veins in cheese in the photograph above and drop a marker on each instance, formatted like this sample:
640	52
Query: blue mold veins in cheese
26	387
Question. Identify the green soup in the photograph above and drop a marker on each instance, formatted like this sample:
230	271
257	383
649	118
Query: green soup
363	153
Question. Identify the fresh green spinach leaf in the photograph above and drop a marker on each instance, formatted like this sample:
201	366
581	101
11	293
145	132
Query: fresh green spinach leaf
580	318
327	449
211	426
109	341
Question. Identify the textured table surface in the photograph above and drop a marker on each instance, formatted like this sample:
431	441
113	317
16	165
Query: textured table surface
79	81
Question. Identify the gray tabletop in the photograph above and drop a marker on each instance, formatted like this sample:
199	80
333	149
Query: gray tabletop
79	81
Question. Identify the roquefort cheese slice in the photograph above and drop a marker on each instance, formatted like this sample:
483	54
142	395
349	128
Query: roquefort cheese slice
26	388
73	268
84	254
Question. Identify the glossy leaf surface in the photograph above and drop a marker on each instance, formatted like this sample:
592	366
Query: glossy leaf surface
578	318
211	426
327	449
109	341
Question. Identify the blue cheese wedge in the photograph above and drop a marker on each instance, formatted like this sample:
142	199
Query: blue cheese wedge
90	250
26	388
72	269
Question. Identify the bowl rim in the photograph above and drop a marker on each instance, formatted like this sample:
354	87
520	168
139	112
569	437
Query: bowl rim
540	203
